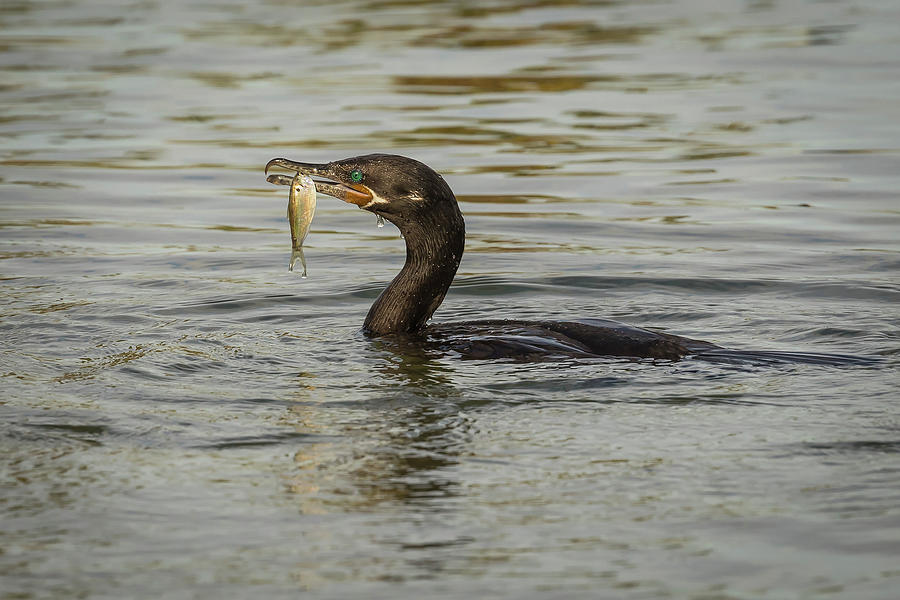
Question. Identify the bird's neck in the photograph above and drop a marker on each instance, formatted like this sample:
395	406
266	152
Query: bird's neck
434	247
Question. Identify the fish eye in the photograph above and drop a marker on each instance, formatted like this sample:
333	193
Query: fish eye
356	176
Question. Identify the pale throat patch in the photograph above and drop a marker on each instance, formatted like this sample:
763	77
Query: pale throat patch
379	201
375	201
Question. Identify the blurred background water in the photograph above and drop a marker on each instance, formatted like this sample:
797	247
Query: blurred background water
184	418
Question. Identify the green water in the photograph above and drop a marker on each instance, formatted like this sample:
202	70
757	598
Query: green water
182	417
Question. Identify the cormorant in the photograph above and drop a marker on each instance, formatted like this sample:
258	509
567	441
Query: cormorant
419	202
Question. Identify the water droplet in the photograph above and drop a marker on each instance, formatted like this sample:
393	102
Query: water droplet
379	220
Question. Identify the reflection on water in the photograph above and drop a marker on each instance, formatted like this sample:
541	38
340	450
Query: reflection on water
181	413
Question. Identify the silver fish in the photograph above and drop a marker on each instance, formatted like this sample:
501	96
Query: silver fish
301	208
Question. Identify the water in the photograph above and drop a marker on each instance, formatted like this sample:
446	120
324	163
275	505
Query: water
184	418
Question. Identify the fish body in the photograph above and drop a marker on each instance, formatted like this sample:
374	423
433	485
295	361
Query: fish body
301	208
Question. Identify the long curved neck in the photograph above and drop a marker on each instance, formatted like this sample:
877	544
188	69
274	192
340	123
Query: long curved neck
434	247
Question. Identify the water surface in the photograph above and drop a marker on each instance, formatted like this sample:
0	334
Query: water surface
184	418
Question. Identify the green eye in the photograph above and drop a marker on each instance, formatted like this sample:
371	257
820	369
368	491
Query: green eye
356	176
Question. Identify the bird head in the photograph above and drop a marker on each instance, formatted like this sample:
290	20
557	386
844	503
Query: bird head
400	189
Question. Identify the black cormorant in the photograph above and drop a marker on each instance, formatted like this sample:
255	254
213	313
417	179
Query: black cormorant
419	202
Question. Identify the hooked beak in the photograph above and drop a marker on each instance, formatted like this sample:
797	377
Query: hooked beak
353	193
